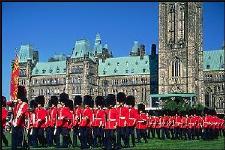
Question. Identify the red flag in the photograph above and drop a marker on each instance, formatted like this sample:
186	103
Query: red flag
14	79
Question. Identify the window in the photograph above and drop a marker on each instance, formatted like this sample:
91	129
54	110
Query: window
50	70
126	70
118	63
64	70
146	62
43	71
132	70
144	70
57	69
115	70
136	63
104	72
208	67
108	64
176	68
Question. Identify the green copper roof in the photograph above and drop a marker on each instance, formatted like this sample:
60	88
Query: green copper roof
213	60
81	48
25	52
49	68
131	65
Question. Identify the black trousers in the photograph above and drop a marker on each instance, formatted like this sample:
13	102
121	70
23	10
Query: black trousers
38	135
130	132
50	137
65	133
17	137
5	141
177	133
98	134
158	133
85	137
141	133
152	132
110	139
121	134
76	135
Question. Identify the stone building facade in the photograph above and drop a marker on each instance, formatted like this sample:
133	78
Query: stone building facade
181	65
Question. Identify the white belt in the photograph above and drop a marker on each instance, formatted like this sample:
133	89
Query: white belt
112	119
122	117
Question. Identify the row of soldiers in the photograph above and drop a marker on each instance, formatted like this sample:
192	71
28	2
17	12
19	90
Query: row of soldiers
105	122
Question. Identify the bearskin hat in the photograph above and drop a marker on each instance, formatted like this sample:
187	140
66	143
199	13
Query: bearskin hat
99	101
3	101
53	101
130	100
41	100
63	97
22	93
121	97
88	100
110	100
33	104
69	104
141	107
77	100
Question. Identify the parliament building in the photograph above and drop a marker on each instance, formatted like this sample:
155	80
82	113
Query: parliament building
180	66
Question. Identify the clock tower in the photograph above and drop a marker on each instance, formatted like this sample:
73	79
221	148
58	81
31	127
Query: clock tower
180	48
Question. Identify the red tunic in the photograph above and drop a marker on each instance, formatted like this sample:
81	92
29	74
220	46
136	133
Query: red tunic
153	122
157	122
41	117
178	123
184	121
70	119
111	116
98	118
142	121
171	122
122	116
165	121
4	116
20	111
77	112
132	117
52	116
63	117
86	117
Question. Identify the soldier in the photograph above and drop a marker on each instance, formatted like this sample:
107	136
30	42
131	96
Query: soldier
110	123
141	123
98	122
69	104
63	115
4	116
31	121
20	109
85	124
40	122
184	128
153	126
165	126
52	116
131	120
177	126
121	119
171	125
158	125
77	112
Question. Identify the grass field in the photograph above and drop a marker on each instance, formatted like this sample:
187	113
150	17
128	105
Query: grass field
217	144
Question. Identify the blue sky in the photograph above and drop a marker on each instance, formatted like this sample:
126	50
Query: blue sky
53	28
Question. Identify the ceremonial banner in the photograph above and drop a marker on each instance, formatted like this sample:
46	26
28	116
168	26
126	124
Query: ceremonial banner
14	79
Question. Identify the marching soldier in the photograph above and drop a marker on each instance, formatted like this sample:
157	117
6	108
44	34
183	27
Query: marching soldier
141	123
52	116
63	115
121	120
153	126
40	121
98	122
131	120
158	126
184	128
171	126
177	127
165	127
110	122
69	104
4	116
85	124
20	109
31	121
77	112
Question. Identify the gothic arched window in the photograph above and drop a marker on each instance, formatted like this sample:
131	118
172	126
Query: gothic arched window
176	68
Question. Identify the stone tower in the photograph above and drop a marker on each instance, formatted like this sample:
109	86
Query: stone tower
180	48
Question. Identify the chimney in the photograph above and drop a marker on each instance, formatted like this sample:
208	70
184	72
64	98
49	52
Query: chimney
153	50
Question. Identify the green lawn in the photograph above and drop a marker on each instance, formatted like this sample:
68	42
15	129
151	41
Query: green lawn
167	144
